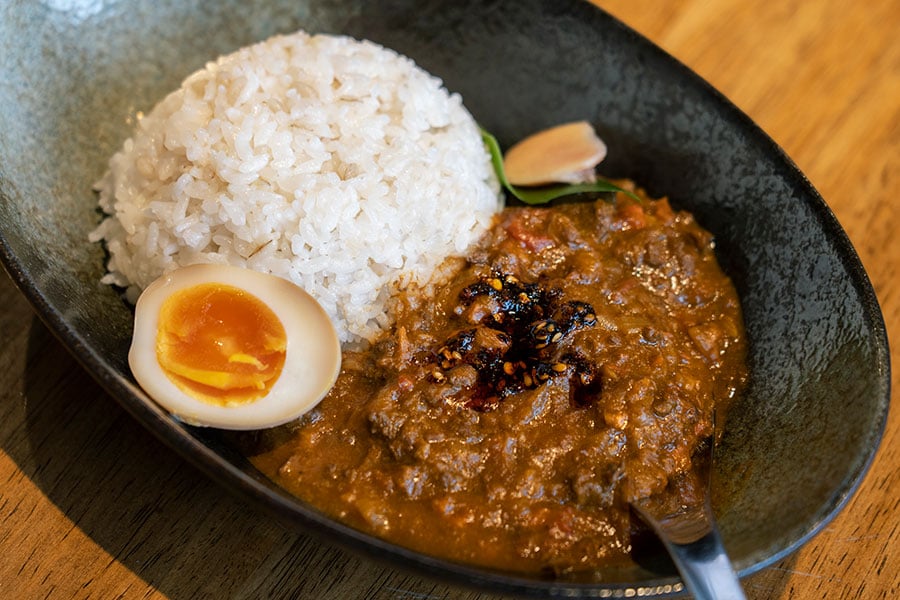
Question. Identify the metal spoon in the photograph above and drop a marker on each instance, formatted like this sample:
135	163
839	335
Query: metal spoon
686	525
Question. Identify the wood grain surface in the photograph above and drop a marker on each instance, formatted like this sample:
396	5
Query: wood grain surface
92	506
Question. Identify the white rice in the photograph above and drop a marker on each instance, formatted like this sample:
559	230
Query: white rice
335	163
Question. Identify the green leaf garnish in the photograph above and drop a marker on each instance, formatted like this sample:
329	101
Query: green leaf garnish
542	195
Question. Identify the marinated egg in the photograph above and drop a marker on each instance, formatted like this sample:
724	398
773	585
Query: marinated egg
233	348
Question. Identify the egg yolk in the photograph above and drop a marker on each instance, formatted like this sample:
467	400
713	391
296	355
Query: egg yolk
220	344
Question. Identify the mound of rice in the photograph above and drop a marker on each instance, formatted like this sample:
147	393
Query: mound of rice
335	163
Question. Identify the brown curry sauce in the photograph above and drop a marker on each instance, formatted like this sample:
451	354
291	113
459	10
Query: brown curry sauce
571	364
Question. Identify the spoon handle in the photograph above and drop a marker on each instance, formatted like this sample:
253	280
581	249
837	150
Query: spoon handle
706	569
695	546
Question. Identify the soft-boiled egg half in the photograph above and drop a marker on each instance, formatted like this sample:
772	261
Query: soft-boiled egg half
232	348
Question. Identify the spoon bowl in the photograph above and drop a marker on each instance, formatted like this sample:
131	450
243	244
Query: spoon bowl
683	518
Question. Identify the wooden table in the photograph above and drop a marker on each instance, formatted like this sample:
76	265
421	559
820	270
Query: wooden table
91	506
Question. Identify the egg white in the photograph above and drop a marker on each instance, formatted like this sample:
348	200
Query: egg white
312	359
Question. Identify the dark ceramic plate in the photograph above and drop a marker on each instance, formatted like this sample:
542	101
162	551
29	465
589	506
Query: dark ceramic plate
795	447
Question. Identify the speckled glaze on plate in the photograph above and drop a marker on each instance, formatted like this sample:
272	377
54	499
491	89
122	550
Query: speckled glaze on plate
796	446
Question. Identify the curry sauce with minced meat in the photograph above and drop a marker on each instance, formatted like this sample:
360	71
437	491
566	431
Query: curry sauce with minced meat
570	365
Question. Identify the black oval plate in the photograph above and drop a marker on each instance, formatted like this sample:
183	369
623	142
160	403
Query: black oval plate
796	446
